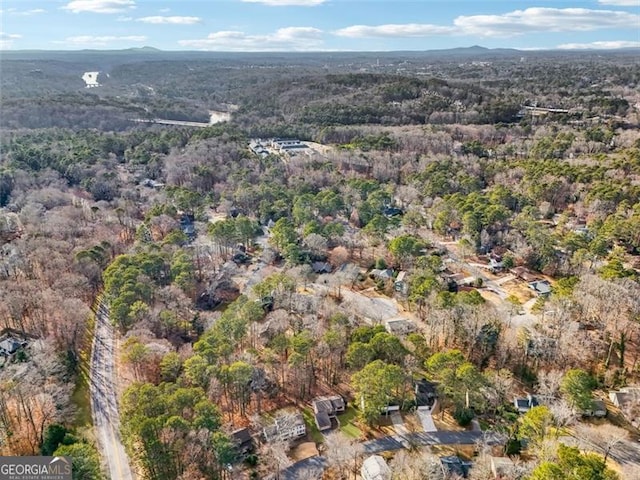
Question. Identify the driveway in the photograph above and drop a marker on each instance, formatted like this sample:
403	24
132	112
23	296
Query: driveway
104	401
427	421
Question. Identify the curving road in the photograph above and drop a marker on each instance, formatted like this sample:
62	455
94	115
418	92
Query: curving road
104	398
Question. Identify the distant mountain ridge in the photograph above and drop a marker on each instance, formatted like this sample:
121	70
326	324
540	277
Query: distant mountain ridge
104	60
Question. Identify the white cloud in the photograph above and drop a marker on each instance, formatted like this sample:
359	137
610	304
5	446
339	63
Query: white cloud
9	36
99	41
99	6
605	45
25	13
620	3
395	30
6	40
283	39
170	20
539	19
509	24
288	3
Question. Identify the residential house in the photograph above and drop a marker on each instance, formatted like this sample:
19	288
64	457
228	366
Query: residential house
375	468
399	326
502	468
627	399
382	274
326	408
598	409
391	212
241	258
10	345
495	265
454	466
242	441
401	285
147	182
321	267
288	145
625	396
258	148
541	287
524	273
426	394
457	280
287	426
523	405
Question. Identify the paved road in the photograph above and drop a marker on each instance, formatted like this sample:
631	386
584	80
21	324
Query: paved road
626	452
104	398
423	439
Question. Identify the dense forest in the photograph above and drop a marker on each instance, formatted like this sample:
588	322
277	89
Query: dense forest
488	199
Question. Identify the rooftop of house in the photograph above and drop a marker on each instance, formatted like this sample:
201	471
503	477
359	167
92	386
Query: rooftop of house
385	274
323	420
330	404
399	325
241	436
289	420
523	273
425	392
322	405
526	403
375	468
625	395
501	466
11	345
453	464
321	267
541	286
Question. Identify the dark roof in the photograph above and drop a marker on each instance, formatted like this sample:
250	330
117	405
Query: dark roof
241	436
321	267
392	211
455	465
541	286
425	392
323	405
10	345
322	420
337	402
527	402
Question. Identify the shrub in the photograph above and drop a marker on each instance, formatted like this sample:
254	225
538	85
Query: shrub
463	416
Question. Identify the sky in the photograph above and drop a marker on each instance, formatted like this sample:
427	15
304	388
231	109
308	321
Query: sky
318	25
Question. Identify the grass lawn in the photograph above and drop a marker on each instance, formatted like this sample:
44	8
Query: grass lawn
81	396
82	401
312	428
347	423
